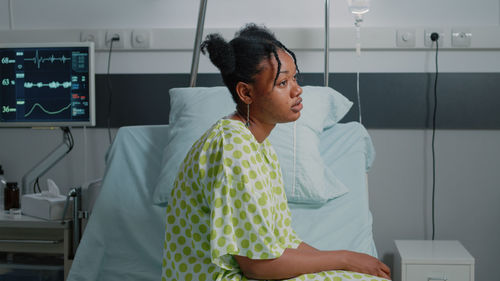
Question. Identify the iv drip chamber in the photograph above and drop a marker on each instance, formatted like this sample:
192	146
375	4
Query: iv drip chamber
358	7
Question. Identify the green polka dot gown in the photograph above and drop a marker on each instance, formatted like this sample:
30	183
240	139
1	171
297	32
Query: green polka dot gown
228	199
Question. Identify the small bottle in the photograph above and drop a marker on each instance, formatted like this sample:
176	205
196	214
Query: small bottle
3	185
11	196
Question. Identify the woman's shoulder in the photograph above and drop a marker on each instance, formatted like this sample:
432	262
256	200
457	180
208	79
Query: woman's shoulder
223	134
231	131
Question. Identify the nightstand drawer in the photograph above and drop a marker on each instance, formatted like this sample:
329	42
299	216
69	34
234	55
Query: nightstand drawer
434	272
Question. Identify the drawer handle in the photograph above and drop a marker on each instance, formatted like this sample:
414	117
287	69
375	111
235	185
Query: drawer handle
31	241
436	279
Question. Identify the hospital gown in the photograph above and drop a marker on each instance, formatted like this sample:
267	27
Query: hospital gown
228	199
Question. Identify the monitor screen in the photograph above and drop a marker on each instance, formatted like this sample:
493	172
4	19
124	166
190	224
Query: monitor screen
47	84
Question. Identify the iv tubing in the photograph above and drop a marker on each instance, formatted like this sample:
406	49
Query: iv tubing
358	64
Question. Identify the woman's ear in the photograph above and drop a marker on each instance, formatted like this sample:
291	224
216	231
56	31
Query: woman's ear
244	92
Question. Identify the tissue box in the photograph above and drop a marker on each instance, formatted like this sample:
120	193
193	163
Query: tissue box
46	207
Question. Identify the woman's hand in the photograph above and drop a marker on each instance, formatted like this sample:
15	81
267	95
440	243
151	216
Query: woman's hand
364	263
306	259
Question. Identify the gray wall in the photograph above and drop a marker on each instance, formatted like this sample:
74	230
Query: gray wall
467	160
467	191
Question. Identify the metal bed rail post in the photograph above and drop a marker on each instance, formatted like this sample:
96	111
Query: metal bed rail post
197	42
199	33
327	41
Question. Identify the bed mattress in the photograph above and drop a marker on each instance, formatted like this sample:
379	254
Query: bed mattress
123	239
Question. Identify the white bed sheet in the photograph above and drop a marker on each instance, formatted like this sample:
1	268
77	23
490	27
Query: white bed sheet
124	237
346	222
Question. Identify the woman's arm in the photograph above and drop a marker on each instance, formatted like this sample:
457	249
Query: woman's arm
306	259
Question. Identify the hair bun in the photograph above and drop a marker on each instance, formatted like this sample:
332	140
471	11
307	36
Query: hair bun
252	30
220	52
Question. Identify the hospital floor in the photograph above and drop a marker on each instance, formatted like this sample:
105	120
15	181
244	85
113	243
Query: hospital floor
30	267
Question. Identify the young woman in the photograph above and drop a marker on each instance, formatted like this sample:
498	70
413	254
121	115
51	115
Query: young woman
228	218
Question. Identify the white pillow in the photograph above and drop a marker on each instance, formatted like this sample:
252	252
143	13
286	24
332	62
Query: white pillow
194	110
306	178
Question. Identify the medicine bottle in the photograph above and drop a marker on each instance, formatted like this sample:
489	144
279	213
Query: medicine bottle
11	194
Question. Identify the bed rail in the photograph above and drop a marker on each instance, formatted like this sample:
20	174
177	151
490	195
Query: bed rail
199	33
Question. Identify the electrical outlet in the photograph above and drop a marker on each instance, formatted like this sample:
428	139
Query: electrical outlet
427	36
141	39
117	44
461	37
405	38
92	36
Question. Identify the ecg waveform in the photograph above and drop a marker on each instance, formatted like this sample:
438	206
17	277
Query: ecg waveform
45	110
39	60
52	85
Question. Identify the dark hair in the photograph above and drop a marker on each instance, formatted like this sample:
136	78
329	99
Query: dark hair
238	60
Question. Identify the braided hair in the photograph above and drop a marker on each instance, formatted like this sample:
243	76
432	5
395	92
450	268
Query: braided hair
238	60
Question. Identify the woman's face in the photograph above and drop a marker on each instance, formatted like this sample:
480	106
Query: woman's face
280	102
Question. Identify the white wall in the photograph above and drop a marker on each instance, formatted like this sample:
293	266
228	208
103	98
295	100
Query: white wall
378	31
21	149
467	166
223	13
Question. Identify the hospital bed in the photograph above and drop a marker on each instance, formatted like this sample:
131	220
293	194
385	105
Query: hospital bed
123	239
324	165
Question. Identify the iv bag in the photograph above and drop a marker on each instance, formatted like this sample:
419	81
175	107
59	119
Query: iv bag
358	7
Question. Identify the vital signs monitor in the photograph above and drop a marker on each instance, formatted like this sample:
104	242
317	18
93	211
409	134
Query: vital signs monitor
47	84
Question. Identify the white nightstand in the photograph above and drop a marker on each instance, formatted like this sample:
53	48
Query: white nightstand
426	260
25	234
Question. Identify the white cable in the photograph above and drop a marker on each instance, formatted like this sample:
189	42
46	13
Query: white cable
358	37
11	16
294	153
359	96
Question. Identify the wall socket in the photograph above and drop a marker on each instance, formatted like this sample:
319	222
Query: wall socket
120	44
92	36
141	39
405	38
427	36
461	37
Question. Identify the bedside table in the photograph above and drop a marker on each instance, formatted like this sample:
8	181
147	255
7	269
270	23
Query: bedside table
426	260
25	234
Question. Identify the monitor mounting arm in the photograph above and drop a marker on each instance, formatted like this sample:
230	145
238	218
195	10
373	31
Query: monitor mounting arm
47	163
